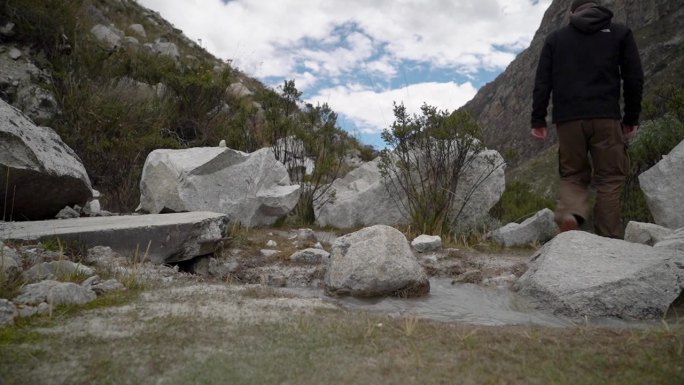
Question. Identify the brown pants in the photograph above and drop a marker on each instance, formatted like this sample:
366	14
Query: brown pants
602	138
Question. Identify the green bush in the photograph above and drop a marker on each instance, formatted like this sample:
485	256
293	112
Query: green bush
519	202
426	163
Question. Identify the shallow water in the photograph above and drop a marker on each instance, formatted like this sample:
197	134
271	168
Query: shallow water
460	302
468	303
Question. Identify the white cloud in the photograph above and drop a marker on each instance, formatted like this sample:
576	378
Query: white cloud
331	47
256	34
372	110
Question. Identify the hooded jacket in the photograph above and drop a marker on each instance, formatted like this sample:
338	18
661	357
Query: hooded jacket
583	65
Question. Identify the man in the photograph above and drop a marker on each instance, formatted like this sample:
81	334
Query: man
583	65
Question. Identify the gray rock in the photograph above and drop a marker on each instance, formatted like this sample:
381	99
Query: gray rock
674	241
539	228
92	208
55	293
8	312
130	40
311	256
645	233
375	261
10	261
67	213
37	103
160	238
29	311
138	29
252	189
107	286
108	35
240	90
362	198
579	274
306	235
104	256
55	269
424	243
165	48
45	175
14	53
7	29
662	185
91	281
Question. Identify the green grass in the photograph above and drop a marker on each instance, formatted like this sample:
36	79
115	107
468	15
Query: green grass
330	346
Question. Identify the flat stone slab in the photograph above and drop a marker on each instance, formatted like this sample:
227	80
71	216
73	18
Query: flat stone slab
160	238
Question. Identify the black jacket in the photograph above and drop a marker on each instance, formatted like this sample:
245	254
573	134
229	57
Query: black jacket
583	64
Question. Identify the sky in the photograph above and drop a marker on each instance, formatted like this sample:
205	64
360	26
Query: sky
361	56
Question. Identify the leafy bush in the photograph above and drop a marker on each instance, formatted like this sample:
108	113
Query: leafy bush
422	171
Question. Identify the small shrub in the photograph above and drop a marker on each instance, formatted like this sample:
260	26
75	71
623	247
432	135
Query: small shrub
429	153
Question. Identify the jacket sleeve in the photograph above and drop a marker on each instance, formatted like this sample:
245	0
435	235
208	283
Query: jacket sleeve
542	86
632	79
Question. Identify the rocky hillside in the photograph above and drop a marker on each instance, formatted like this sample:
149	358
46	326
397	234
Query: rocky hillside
117	81
503	106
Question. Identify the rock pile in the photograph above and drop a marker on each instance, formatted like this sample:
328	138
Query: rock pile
46	279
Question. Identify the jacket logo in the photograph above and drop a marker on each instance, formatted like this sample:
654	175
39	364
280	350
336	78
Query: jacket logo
605	30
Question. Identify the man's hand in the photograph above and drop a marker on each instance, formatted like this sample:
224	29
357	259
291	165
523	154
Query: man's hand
538	133
629	131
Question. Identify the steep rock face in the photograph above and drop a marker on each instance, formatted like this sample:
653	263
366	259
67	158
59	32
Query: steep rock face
502	107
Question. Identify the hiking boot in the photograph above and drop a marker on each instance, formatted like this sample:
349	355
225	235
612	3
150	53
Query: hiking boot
568	223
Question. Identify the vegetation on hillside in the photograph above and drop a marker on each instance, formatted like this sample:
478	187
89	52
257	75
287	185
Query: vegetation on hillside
120	104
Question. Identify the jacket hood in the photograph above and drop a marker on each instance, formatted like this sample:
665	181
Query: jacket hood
592	19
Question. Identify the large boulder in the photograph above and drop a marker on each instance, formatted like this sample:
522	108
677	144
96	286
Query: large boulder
579	274
538	228
362	197
44	173
375	261
252	189
662	185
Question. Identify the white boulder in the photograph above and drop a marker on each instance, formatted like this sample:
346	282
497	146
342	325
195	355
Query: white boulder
252	189
375	261
578	274
423	243
662	185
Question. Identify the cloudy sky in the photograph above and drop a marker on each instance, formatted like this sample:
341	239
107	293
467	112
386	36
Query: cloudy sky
360	56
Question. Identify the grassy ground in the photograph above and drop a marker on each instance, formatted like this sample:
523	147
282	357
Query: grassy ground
205	333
